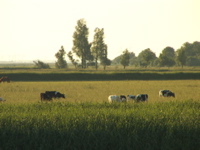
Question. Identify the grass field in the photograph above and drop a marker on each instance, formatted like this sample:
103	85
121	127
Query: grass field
85	120
98	91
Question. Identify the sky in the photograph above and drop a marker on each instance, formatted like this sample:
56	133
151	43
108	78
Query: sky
36	29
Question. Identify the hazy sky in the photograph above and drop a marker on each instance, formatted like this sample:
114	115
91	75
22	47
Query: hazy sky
36	29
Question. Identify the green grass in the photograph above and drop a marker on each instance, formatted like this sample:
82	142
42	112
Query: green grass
63	125
85	119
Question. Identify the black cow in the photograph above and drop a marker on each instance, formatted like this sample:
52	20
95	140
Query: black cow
123	98
54	94
44	96
166	93
141	97
170	94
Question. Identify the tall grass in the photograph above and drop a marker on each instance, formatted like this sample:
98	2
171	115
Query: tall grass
64	125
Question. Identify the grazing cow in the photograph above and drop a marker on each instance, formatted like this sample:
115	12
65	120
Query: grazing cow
123	98
44	96
116	98
141	98
2	99
4	79
131	97
166	93
54	94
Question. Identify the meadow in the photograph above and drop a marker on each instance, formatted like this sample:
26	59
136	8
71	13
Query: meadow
85	119
98	91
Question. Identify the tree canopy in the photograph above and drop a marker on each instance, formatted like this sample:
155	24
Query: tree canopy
125	58
146	57
81	46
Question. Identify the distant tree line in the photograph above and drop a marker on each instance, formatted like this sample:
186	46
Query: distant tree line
187	55
95	53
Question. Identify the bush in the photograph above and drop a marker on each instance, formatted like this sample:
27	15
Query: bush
41	65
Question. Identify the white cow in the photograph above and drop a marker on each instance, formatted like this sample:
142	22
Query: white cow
116	98
131	98
2	99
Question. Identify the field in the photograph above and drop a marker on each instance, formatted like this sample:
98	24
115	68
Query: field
85	119
98	91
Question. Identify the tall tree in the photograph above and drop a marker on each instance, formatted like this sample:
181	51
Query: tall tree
125	58
167	57
81	45
146	57
61	62
99	48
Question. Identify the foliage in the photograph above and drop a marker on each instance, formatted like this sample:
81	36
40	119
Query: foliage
193	61
99	48
189	54
73	61
125	58
146	57
181	57
81	46
41	65
133	59
61	62
105	62
167	57
172	125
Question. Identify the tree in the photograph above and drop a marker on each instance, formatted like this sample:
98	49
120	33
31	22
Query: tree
81	45
41	65
61	62
146	57
133	59
167	57
99	48
116	60
73	61
191	54
181	57
125	57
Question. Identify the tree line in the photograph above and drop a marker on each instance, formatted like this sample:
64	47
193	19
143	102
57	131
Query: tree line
95	53
187	55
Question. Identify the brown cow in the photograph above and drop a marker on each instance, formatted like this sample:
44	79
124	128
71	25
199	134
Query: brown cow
4	79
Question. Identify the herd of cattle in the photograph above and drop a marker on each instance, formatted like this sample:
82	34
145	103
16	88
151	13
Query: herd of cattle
139	97
49	95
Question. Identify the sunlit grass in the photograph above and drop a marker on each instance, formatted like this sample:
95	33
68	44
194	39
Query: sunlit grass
98	91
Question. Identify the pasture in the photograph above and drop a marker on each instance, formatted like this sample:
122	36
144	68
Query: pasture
85	119
98	91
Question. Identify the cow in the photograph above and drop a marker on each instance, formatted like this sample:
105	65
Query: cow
4	79
131	98
166	93
2	99
142	98
54	94
44	96
116	98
